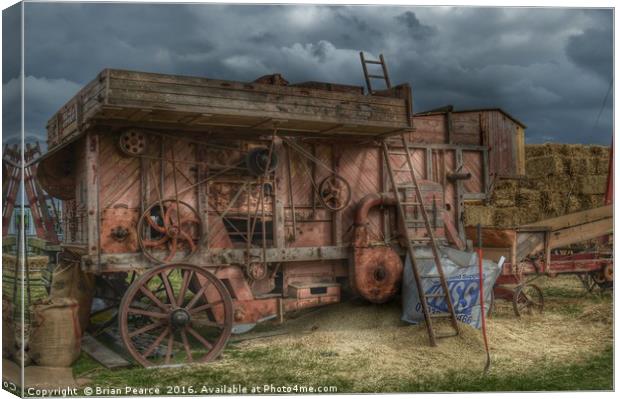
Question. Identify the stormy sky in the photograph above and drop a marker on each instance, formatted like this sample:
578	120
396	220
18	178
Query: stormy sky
550	68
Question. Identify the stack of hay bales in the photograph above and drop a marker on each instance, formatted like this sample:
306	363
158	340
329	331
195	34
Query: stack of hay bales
560	179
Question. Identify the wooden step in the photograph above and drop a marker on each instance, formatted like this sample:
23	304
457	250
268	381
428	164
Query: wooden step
440	315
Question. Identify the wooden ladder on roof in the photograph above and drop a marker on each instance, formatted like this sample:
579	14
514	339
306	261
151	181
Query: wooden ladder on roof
400	192
384	76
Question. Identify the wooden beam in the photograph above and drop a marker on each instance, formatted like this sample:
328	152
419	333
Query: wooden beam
575	219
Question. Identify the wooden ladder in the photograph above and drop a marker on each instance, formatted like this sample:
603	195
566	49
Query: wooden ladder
403	204
385	76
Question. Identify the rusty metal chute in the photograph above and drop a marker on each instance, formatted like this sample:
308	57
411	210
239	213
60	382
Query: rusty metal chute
56	172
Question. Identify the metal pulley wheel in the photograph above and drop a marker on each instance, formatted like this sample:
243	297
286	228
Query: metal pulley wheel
527	299
258	163
257	271
133	142
168	228
176	314
334	192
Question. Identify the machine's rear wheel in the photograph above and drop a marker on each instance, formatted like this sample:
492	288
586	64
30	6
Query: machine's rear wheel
163	322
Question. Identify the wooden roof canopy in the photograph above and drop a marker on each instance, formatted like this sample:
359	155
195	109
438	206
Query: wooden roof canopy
120	98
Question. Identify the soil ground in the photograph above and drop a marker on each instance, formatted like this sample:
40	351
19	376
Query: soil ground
366	348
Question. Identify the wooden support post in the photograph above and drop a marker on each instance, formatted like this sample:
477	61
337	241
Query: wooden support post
459	189
485	172
336	216
429	164
202	171
92	195
449	126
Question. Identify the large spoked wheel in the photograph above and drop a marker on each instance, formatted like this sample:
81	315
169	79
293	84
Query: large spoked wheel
334	192
163	321
169	230
527	300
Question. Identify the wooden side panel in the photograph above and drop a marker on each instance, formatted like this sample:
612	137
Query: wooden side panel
429	129
502	146
520	150
361	167
472	161
313	222
466	128
119	176
188	94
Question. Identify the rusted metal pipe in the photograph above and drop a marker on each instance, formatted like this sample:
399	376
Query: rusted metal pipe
377	270
370	201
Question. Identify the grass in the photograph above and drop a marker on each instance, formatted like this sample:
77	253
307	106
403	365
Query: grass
308	360
596	373
276	366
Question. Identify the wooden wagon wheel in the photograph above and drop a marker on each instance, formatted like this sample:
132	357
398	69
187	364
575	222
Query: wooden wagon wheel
163	322
334	192
527	299
167	228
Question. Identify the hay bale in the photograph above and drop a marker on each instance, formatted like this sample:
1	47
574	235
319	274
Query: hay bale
506	217
600	165
592	184
591	201
572	204
579	166
552	202
37	263
599	151
544	166
504	193
559	183
527	198
478	214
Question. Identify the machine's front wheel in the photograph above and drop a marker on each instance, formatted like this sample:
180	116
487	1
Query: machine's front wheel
163	322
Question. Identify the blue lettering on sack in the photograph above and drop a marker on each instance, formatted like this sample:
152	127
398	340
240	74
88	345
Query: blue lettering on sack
464	291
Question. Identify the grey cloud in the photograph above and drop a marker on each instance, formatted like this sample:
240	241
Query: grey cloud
417	30
529	61
592	50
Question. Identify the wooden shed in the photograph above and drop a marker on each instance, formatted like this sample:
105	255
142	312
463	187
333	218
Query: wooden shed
501	133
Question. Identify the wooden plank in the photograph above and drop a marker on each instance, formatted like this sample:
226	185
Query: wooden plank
214	106
205	84
575	219
581	233
226	94
101	353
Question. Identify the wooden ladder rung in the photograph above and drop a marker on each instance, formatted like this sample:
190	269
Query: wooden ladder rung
446	335
435	295
372	62
377	77
440	315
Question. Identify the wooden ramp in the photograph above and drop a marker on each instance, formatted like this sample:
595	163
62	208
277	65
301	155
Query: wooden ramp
519	243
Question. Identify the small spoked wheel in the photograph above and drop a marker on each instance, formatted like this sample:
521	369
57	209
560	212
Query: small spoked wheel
334	192
527	300
175	314
169	230
133	142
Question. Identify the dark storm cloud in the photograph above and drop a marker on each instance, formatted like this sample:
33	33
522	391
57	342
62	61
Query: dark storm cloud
11	85
417	30
592	50
550	68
